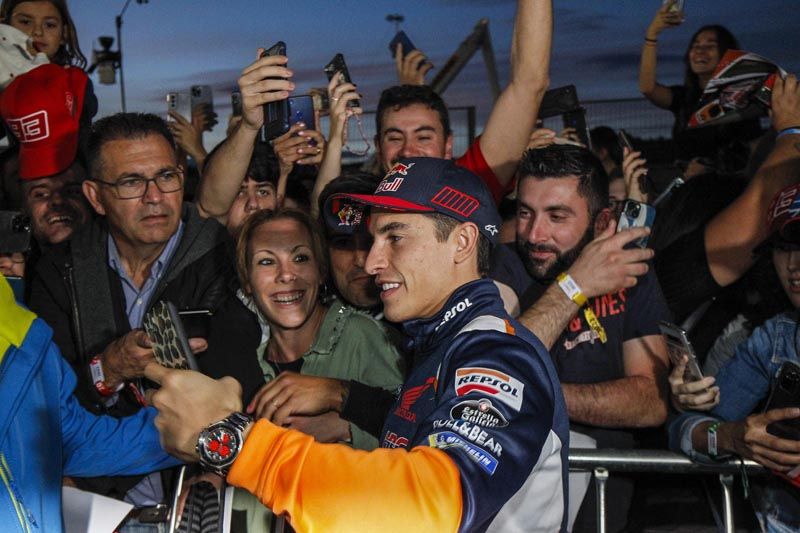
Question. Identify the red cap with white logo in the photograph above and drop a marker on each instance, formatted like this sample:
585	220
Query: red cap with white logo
42	108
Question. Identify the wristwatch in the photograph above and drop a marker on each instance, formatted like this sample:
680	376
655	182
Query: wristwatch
220	443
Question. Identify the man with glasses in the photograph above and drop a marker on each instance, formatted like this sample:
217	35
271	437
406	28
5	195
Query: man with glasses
146	245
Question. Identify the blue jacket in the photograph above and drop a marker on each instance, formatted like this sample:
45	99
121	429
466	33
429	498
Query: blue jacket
45	434
485	391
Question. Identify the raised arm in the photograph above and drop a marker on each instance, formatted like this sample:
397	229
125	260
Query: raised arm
226	170
732	234
656	93
512	119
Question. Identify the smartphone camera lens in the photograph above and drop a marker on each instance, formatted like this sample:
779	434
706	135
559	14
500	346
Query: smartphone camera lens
21	224
633	210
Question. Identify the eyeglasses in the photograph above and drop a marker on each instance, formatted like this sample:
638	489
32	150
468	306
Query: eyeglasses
136	186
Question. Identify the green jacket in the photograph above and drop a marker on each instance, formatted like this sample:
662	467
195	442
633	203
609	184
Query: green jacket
351	346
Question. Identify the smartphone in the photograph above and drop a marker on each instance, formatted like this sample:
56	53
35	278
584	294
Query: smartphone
674	5
276	114
577	119
202	95
785	393
196	322
301	109
402	39
678	345
170	343
236	104
335	65
17	287
181	103
624	140
15	232
636	215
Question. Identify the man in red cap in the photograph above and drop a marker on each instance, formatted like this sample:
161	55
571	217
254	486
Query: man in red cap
44	109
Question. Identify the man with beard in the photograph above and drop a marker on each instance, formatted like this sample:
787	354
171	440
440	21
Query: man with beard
611	358
145	245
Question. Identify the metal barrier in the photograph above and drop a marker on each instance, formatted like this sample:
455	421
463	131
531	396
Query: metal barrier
602	462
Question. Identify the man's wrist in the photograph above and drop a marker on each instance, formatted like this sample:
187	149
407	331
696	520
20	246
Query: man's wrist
106	382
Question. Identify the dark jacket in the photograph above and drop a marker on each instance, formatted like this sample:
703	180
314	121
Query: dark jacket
80	296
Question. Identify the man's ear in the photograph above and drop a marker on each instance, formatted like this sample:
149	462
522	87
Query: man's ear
602	220
465	239
91	191
448	147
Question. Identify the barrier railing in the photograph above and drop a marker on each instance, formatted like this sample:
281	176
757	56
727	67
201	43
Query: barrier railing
602	462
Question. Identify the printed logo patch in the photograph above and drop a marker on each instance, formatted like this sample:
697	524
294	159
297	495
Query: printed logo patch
458	308
30	128
492	382
456	201
491	228
480	412
447	439
350	215
393	440
410	397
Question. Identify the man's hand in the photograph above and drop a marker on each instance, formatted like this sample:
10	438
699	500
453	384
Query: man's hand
700	395
751	440
299	146
188	137
257	89
541	138
187	402
605	266
412	68
786	103
126	358
292	394
203	117
329	427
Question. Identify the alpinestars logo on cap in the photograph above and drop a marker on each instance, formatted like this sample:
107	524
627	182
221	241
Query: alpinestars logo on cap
30	128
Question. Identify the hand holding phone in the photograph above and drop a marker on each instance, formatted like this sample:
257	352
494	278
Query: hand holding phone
276	114
337	64
636	215
169	341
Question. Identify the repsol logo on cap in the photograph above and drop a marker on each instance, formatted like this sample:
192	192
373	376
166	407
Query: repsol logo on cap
491	382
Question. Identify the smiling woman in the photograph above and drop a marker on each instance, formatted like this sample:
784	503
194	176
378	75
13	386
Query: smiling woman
281	261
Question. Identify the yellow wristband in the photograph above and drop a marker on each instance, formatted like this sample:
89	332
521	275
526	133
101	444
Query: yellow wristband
594	323
571	289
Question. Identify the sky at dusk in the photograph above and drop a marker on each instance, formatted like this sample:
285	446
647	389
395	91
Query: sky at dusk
169	45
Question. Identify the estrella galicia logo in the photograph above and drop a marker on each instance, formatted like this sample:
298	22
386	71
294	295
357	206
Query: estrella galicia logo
480	412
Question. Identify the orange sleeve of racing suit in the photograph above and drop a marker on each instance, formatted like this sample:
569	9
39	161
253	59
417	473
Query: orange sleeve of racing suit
332	487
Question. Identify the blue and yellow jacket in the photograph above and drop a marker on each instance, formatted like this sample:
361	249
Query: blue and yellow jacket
45	434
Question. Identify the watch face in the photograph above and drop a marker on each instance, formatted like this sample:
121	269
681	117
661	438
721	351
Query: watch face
219	446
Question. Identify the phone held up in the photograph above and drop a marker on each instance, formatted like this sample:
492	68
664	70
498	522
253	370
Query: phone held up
337	64
276	114
636	215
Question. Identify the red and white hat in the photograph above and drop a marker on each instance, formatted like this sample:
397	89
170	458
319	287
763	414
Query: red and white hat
784	214
42	108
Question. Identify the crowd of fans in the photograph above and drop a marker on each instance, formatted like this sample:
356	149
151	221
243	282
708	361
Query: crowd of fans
325	331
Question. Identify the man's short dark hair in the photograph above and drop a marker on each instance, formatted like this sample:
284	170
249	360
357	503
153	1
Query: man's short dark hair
605	137
564	160
123	126
445	225
401	96
350	183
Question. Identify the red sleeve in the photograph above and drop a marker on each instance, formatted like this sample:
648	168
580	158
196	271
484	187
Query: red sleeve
474	161
332	487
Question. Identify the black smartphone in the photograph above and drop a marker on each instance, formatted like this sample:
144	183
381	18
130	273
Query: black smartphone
678	345
559	101
301	109
624	140
785	393
402	39
196	322
15	232
276	114
335	65
577	119
236	104
636	215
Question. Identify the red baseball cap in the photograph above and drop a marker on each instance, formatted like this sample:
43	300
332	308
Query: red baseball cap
42	108
784	214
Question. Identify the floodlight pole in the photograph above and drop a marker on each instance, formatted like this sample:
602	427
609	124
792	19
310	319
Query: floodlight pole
118	21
